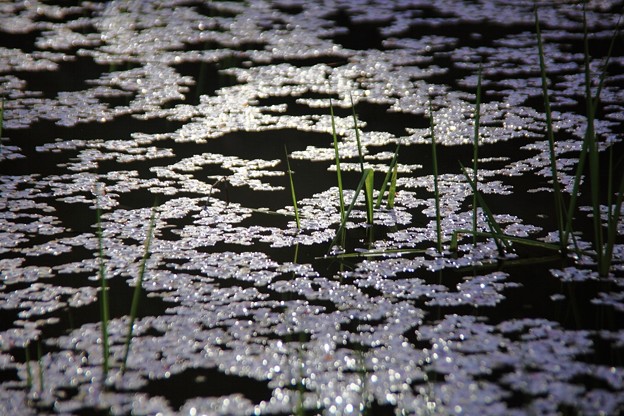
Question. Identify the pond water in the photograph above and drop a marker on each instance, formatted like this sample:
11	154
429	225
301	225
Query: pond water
190	107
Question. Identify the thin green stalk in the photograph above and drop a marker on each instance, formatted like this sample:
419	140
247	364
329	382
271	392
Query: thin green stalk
492	223
1	118
350	208
391	168
369	186
136	296
337	157
104	303
40	365
292	190
559	215
381	253
435	180
594	164
503	237
392	190
610	187
367	195
475	157
357	134
29	378
584	149
613	221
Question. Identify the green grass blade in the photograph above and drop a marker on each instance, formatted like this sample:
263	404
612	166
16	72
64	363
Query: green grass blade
292	190
29	378
134	308
594	166
435	180
337	158
343	222
392	190
393	164
475	156
1	118
504	237
559	215
40	365
584	150
613	221
104	303
380	253
357	134
492	223
369	186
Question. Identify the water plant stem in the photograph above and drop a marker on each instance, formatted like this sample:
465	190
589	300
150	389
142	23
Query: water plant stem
136	296
40	365
475	157
392	190
350	208
1	119
104	303
368	192
292	190
337	160
357	134
559	214
496	231
594	166
390	177
436	191
29	377
589	129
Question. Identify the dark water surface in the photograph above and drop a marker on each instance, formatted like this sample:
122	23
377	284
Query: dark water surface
192	106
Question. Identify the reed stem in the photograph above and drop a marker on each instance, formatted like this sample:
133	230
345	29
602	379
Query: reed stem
136	296
435	180
104	303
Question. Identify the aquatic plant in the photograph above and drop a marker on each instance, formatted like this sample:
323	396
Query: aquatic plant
357	134
589	149
343	222
29	377
604	252
475	156
391	177
337	161
495	229
1	119
368	192
292	190
559	215
40	365
436	192
134	308
104	303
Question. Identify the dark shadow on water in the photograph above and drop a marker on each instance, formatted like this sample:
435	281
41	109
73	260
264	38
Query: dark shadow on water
208	78
70	76
360	35
206	382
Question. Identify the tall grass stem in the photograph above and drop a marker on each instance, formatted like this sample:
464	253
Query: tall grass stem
136	296
104	303
559	214
475	157
436	191
391	170
292	191
337	159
